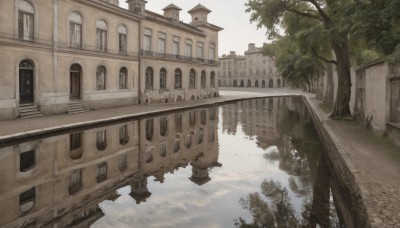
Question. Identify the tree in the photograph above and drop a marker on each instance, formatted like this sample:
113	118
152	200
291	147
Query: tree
313	23
297	67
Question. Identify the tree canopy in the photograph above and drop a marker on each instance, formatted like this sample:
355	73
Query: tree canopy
308	33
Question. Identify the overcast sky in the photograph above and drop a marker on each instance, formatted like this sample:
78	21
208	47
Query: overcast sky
228	14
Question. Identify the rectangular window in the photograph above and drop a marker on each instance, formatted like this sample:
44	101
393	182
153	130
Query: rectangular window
188	49
162	43
25	26
101	172
147	40
200	50
211	52
178	122
76	35
101	36
175	47
122	44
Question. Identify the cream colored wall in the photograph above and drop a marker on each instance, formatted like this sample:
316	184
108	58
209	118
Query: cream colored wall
376	106
51	75
89	16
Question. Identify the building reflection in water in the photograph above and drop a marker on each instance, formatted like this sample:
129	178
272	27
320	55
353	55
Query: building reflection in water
60	181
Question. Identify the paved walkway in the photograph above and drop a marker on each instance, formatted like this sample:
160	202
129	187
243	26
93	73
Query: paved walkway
376	160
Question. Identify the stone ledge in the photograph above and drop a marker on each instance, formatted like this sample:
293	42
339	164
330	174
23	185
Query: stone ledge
362	211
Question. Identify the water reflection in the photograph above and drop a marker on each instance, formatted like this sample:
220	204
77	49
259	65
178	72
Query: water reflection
166	171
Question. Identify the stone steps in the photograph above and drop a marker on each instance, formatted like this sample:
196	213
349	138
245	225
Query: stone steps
76	107
29	111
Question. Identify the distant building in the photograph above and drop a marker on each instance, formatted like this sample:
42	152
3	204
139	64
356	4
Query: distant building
251	70
69	56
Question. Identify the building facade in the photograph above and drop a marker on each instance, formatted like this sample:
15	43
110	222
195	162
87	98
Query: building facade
251	70
68	56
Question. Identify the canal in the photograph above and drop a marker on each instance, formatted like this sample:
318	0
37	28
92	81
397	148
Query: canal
253	163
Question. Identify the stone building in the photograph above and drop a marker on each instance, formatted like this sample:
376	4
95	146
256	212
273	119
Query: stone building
68	56
60	181
377	97
251	70
178	59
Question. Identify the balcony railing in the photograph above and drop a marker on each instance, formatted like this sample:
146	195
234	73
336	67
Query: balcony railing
146	53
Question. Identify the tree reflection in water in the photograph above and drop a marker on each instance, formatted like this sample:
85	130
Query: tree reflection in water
300	155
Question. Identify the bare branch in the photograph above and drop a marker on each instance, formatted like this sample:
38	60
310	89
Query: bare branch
321	12
322	58
309	15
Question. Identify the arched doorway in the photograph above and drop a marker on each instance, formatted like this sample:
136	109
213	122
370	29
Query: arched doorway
75	73
234	83
256	83
271	84
278	83
263	83
26	81
241	83
248	83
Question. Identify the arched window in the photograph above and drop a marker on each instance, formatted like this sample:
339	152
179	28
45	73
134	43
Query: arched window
75	145
123	78
271	84
101	140
27	200
26	81
123	135
149	78
163	125
192	79
26	16
212	79
122	39
149	129
203	79
101	35
163	78
178	79
101	78
75	23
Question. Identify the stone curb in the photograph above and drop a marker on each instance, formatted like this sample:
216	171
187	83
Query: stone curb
343	152
10	139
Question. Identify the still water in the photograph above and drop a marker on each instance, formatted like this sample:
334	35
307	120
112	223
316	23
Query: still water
255	163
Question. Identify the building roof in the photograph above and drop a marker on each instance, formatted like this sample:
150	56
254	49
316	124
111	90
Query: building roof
172	6
199	7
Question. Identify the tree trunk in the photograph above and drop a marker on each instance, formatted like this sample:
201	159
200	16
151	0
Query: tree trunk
341	108
329	85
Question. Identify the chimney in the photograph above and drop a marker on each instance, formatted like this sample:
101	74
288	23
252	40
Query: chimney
252	46
137	6
172	11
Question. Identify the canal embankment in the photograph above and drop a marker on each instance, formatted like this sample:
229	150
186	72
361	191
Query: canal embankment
366	166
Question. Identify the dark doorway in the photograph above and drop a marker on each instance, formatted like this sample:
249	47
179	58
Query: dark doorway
75	86
242	83
256	84
271	84
26	87
263	84
248	83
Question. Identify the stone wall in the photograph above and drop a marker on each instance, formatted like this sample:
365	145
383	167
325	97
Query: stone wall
353	198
